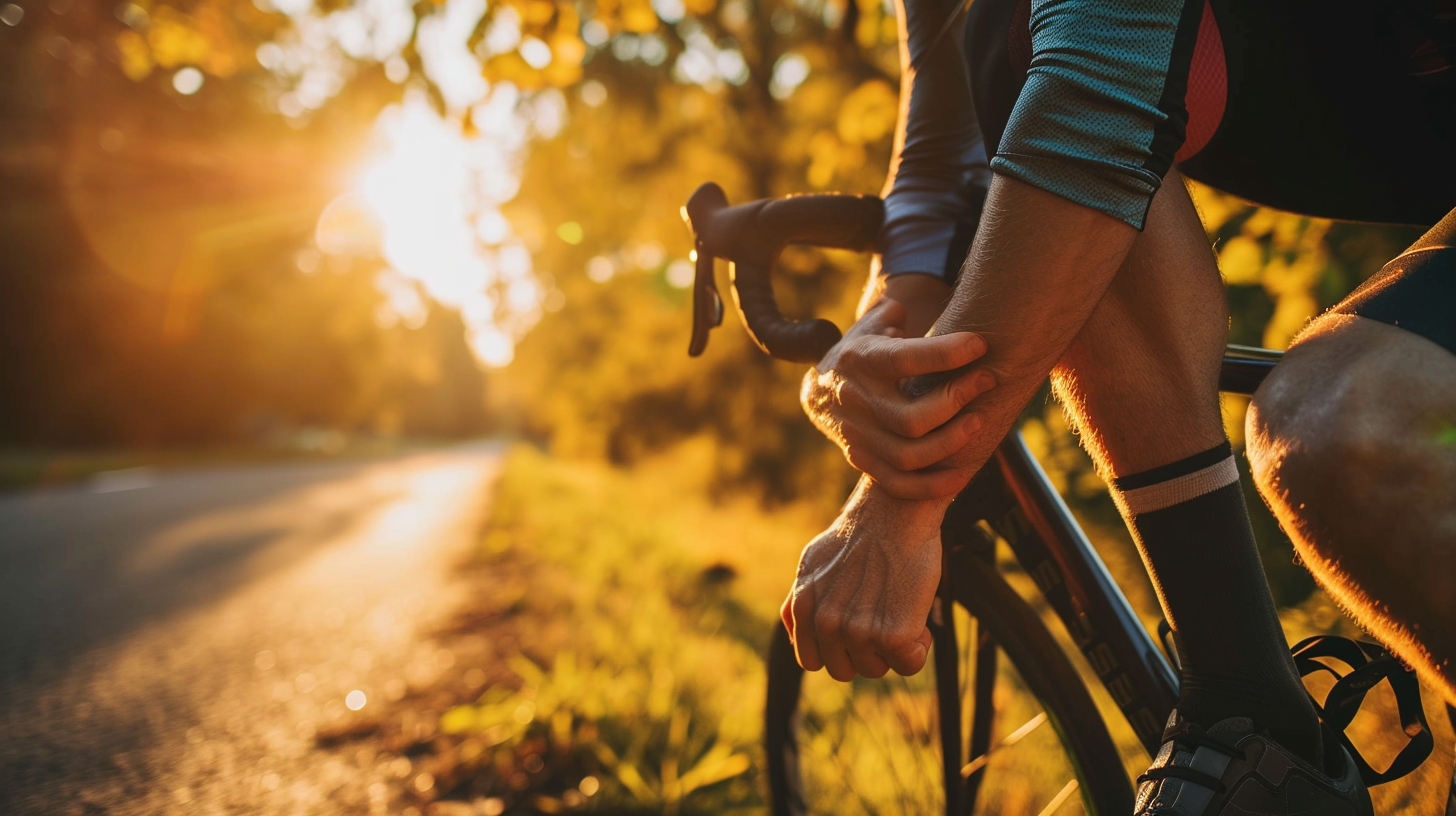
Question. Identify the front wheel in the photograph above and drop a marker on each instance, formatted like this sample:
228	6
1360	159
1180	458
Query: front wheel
873	746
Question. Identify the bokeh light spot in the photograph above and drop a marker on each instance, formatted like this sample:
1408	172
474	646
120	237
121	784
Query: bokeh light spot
355	700
11	14
570	232
595	33
600	269
593	93
536	53
187	81
680	274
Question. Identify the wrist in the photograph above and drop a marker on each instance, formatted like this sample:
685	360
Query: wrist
870	498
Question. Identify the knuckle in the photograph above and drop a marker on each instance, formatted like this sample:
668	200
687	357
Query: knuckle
860	633
916	426
902	459
829	622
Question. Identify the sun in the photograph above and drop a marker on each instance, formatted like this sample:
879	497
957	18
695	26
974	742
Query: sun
428	203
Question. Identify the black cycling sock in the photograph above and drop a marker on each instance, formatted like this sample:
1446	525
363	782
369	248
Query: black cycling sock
1192	528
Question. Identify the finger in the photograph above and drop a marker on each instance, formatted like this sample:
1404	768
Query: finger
885	316
806	644
912	468
935	447
923	485
918	416
914	356
863	652
910	658
833	652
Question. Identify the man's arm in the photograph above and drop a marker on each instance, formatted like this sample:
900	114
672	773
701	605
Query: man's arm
1039	265
853	394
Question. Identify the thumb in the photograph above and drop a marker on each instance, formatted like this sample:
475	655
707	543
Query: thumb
910	659
884	318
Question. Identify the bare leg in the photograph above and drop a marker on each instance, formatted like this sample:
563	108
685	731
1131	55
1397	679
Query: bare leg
1141	383
1353	444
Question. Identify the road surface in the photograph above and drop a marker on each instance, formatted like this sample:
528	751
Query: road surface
171	641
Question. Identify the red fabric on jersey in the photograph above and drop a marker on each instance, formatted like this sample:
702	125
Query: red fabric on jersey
1207	75
1207	87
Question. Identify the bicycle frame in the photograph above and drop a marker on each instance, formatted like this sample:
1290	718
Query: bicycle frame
1013	495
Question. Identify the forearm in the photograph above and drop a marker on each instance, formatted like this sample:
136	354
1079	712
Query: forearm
1036	271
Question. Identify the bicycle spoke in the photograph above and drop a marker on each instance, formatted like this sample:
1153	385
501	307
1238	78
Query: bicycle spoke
1006	742
1061	797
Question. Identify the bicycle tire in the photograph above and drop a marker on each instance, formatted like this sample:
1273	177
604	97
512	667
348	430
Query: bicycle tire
1022	637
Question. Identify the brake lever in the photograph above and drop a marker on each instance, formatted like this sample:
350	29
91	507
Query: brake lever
707	303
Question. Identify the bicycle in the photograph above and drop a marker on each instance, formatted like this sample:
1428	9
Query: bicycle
1013	500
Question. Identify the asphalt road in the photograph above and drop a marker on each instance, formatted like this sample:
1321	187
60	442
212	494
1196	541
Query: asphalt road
170	642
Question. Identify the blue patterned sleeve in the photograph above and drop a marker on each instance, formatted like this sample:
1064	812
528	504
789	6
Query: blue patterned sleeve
1102	112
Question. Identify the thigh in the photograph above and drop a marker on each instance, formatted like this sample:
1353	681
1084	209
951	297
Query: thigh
1352	441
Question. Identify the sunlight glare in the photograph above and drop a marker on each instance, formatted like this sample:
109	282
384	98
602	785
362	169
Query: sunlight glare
435	196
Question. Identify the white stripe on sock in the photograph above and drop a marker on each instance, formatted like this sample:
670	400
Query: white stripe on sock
1175	491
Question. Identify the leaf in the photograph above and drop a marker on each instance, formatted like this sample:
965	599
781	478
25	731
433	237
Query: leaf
868	113
1241	260
632	780
717	765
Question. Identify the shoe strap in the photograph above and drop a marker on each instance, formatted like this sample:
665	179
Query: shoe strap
1369	664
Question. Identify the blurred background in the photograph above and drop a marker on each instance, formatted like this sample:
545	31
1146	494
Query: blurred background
246	231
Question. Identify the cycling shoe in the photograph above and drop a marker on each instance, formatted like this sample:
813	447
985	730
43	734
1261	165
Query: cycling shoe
1232	770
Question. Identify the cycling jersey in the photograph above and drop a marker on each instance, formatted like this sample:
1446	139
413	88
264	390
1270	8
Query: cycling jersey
939	175
1336	108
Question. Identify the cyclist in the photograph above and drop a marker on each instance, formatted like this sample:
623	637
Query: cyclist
1090	264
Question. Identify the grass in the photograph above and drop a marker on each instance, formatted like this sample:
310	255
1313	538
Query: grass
630	615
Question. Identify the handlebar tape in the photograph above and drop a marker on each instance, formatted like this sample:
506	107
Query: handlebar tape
752	235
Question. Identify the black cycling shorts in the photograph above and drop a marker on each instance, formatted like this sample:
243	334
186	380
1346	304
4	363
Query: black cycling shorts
1342	109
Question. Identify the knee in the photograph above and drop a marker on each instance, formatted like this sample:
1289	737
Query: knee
1311	429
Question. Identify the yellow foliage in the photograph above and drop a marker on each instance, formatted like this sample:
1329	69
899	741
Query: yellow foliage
868	113
537	12
1298	276
823	159
1292	311
1234	409
1241	260
638	17
1214	207
136	58
700	7
567	48
561	73
175	41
